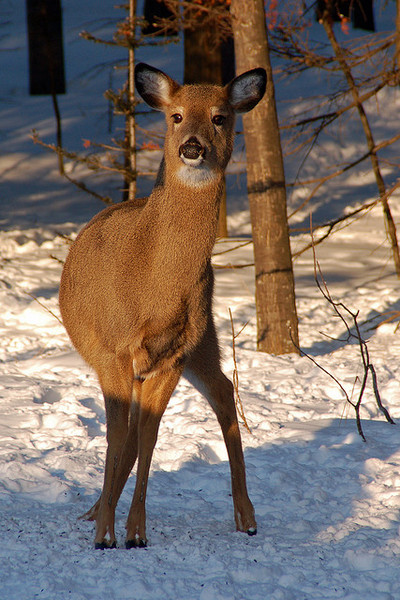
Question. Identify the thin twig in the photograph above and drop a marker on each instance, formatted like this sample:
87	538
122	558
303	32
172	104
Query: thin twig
340	308
235	376
230	266
46	308
238	247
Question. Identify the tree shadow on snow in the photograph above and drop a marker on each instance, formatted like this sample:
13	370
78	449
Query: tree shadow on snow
367	324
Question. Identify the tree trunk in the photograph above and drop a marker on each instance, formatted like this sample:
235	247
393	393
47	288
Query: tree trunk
131	119
398	35
277	325
208	59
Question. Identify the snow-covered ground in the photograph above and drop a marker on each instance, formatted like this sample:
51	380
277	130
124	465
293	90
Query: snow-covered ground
327	503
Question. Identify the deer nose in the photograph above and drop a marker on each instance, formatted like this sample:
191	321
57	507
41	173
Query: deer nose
192	149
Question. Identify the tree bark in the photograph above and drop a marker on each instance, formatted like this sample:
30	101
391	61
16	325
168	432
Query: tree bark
398	35
277	324
131	119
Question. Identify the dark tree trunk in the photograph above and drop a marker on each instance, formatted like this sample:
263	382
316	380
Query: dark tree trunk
46	52
157	15
277	325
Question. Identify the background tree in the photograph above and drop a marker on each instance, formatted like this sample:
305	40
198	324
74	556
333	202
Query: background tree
355	73
208	47
46	56
119	156
398	33
371	145
209	56
277	325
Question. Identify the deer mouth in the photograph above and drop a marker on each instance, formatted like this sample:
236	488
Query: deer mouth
192	153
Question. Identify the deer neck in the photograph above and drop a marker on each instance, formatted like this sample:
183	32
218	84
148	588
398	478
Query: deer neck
188	213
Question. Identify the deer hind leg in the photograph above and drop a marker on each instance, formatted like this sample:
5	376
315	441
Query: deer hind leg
156	391
204	372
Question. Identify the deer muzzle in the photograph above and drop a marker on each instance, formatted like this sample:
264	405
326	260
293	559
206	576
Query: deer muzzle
192	150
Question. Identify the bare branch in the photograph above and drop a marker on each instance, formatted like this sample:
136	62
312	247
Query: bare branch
235	375
341	310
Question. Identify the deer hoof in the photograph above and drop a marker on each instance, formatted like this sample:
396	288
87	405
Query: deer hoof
136	543
252	531
104	545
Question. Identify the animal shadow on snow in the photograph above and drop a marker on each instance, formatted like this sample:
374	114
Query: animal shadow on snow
299	489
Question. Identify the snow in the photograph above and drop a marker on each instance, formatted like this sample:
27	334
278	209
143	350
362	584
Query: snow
327	504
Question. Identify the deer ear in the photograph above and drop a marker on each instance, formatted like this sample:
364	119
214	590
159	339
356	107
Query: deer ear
246	90
155	87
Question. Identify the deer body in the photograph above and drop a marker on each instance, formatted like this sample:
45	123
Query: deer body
136	293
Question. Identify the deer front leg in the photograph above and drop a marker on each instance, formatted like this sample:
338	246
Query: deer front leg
128	456
155	394
117	414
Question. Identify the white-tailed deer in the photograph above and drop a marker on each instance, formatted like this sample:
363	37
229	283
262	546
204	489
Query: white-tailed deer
136	294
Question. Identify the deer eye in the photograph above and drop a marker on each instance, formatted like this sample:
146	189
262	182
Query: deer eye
177	118
218	119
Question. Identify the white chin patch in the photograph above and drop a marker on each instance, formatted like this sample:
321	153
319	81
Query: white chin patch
194	172
192	162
